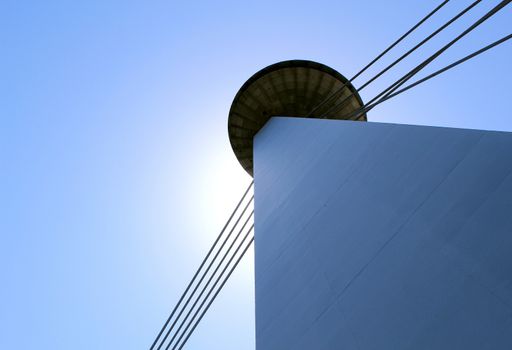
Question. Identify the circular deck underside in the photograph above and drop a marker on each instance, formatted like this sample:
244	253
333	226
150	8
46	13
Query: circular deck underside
290	88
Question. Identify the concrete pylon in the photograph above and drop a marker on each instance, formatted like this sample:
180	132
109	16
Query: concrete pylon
382	236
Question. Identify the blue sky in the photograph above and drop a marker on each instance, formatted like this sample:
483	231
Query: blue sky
116	169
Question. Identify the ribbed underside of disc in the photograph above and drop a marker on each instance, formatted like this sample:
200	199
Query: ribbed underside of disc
290	88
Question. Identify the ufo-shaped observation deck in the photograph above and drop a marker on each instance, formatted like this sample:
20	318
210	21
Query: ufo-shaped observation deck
289	88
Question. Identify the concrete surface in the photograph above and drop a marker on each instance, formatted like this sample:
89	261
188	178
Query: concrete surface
381	236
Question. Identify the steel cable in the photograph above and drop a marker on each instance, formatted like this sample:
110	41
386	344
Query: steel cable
413	28
444	69
218	290
393	87
340	104
204	274
199	269
209	280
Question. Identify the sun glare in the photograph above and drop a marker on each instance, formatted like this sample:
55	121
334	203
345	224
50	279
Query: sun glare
220	189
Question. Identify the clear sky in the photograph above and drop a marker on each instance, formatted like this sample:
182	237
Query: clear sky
116	169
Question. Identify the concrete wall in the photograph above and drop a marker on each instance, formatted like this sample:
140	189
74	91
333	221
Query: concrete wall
381	236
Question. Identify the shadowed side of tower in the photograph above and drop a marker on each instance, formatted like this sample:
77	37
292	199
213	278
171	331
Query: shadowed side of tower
381	236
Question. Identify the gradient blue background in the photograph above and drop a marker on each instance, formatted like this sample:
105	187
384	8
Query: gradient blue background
116	170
